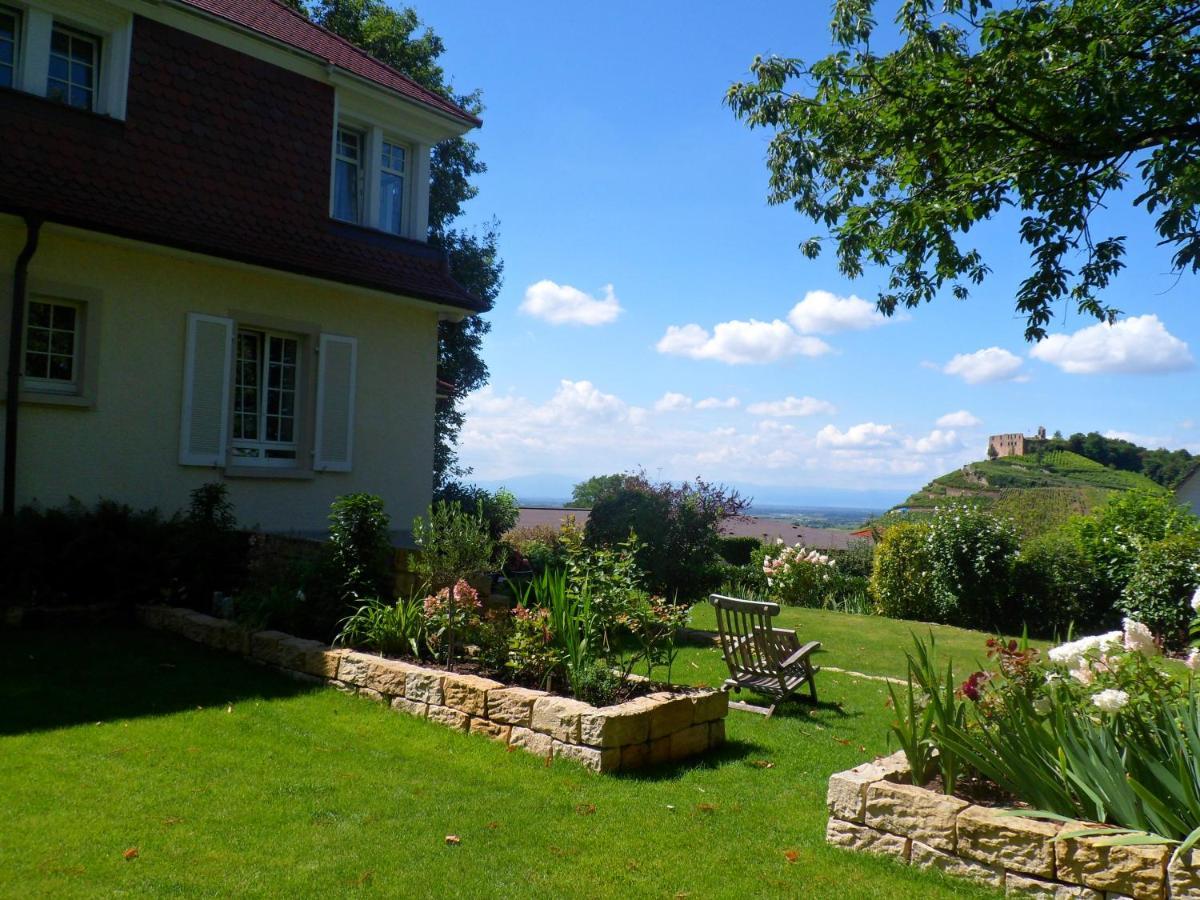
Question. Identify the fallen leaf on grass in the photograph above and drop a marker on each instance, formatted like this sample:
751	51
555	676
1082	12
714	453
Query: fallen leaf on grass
493	825
843	741
364	879
585	809
670	807
791	855
453	840
706	807
171	820
763	764
131	853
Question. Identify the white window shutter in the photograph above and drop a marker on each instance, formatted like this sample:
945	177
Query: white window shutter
207	367
333	447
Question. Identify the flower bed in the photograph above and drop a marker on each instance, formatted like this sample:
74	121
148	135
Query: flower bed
874	808
664	726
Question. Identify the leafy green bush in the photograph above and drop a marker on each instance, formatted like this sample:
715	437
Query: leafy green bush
973	553
738	549
677	525
361	546
858	558
1160	591
797	576
536	549
388	628
1055	585
903	580
498	509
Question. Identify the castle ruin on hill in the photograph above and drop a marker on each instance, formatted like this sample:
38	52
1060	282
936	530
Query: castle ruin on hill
1001	445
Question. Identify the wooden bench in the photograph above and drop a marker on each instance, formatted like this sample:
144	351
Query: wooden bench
762	658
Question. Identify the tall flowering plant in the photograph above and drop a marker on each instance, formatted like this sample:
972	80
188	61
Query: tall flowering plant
797	575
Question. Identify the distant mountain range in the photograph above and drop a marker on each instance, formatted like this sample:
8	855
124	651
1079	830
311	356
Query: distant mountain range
769	500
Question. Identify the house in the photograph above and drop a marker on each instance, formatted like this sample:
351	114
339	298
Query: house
1188	491
213	263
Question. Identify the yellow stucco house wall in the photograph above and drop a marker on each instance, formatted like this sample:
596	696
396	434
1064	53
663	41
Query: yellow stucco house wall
123	440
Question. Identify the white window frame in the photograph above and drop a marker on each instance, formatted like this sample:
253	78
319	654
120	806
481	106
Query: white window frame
360	166
414	213
97	43
18	19
402	175
108	24
36	384
261	444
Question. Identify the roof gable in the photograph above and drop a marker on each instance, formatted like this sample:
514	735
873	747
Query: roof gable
273	20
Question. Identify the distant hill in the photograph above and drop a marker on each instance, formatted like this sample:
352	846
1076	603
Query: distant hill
1037	491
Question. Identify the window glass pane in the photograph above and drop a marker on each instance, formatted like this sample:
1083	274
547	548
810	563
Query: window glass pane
345	204
8	49
72	74
51	340
60	43
245	393
391	202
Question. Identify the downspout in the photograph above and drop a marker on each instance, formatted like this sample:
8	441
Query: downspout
33	231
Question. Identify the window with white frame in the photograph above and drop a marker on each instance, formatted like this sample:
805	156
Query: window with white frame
266	398
347	175
391	187
74	65
10	29
371	179
52	346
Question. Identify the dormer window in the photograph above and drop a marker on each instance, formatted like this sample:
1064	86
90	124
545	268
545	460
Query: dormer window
74	59
372	180
8	48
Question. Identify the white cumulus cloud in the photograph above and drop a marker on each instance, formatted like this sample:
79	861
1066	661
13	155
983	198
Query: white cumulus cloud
960	419
866	434
791	406
990	364
740	343
822	312
673	402
561	304
718	403
937	441
1139	345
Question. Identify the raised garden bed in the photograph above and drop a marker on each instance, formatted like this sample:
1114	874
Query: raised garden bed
659	727
874	808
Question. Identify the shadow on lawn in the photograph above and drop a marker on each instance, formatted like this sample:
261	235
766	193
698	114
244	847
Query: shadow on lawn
53	678
730	752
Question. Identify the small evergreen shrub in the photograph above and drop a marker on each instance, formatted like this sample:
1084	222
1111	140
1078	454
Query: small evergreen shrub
903	581
973	553
362	546
1055	585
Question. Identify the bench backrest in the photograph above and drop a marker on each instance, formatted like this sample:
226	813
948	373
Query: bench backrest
747	637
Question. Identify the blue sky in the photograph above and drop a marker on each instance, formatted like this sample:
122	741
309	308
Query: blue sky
614	163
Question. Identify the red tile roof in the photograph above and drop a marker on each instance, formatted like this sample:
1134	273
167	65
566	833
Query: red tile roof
276	21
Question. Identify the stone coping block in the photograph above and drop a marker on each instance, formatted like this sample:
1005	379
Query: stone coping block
914	812
661	727
846	796
1028	886
1018	844
1183	876
849	836
925	857
1138	871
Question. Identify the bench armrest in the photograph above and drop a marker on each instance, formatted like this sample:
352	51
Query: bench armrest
801	654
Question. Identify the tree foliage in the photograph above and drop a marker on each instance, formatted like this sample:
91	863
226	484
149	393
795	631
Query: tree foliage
1046	107
1165	467
585	494
397	37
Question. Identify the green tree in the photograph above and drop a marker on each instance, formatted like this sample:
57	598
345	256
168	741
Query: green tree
585	494
1047	107
398	38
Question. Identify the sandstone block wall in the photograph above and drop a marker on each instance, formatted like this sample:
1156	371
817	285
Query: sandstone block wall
659	727
873	808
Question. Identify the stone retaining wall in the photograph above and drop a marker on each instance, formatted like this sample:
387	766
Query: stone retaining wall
656	728
873	808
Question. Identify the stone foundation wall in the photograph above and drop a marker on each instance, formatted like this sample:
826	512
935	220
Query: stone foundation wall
656	728
873	808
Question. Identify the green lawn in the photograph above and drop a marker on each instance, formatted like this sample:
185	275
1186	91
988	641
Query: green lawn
230	779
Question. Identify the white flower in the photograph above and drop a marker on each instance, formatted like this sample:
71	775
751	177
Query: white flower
1083	674
1196	601
1138	639
1072	653
1193	660
1110	700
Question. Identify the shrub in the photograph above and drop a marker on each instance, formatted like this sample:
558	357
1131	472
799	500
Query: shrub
1115	535
1159	593
388	628
537	549
499	509
973	553
678	526
902	577
858	558
1055	586
798	576
361	546
737	549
